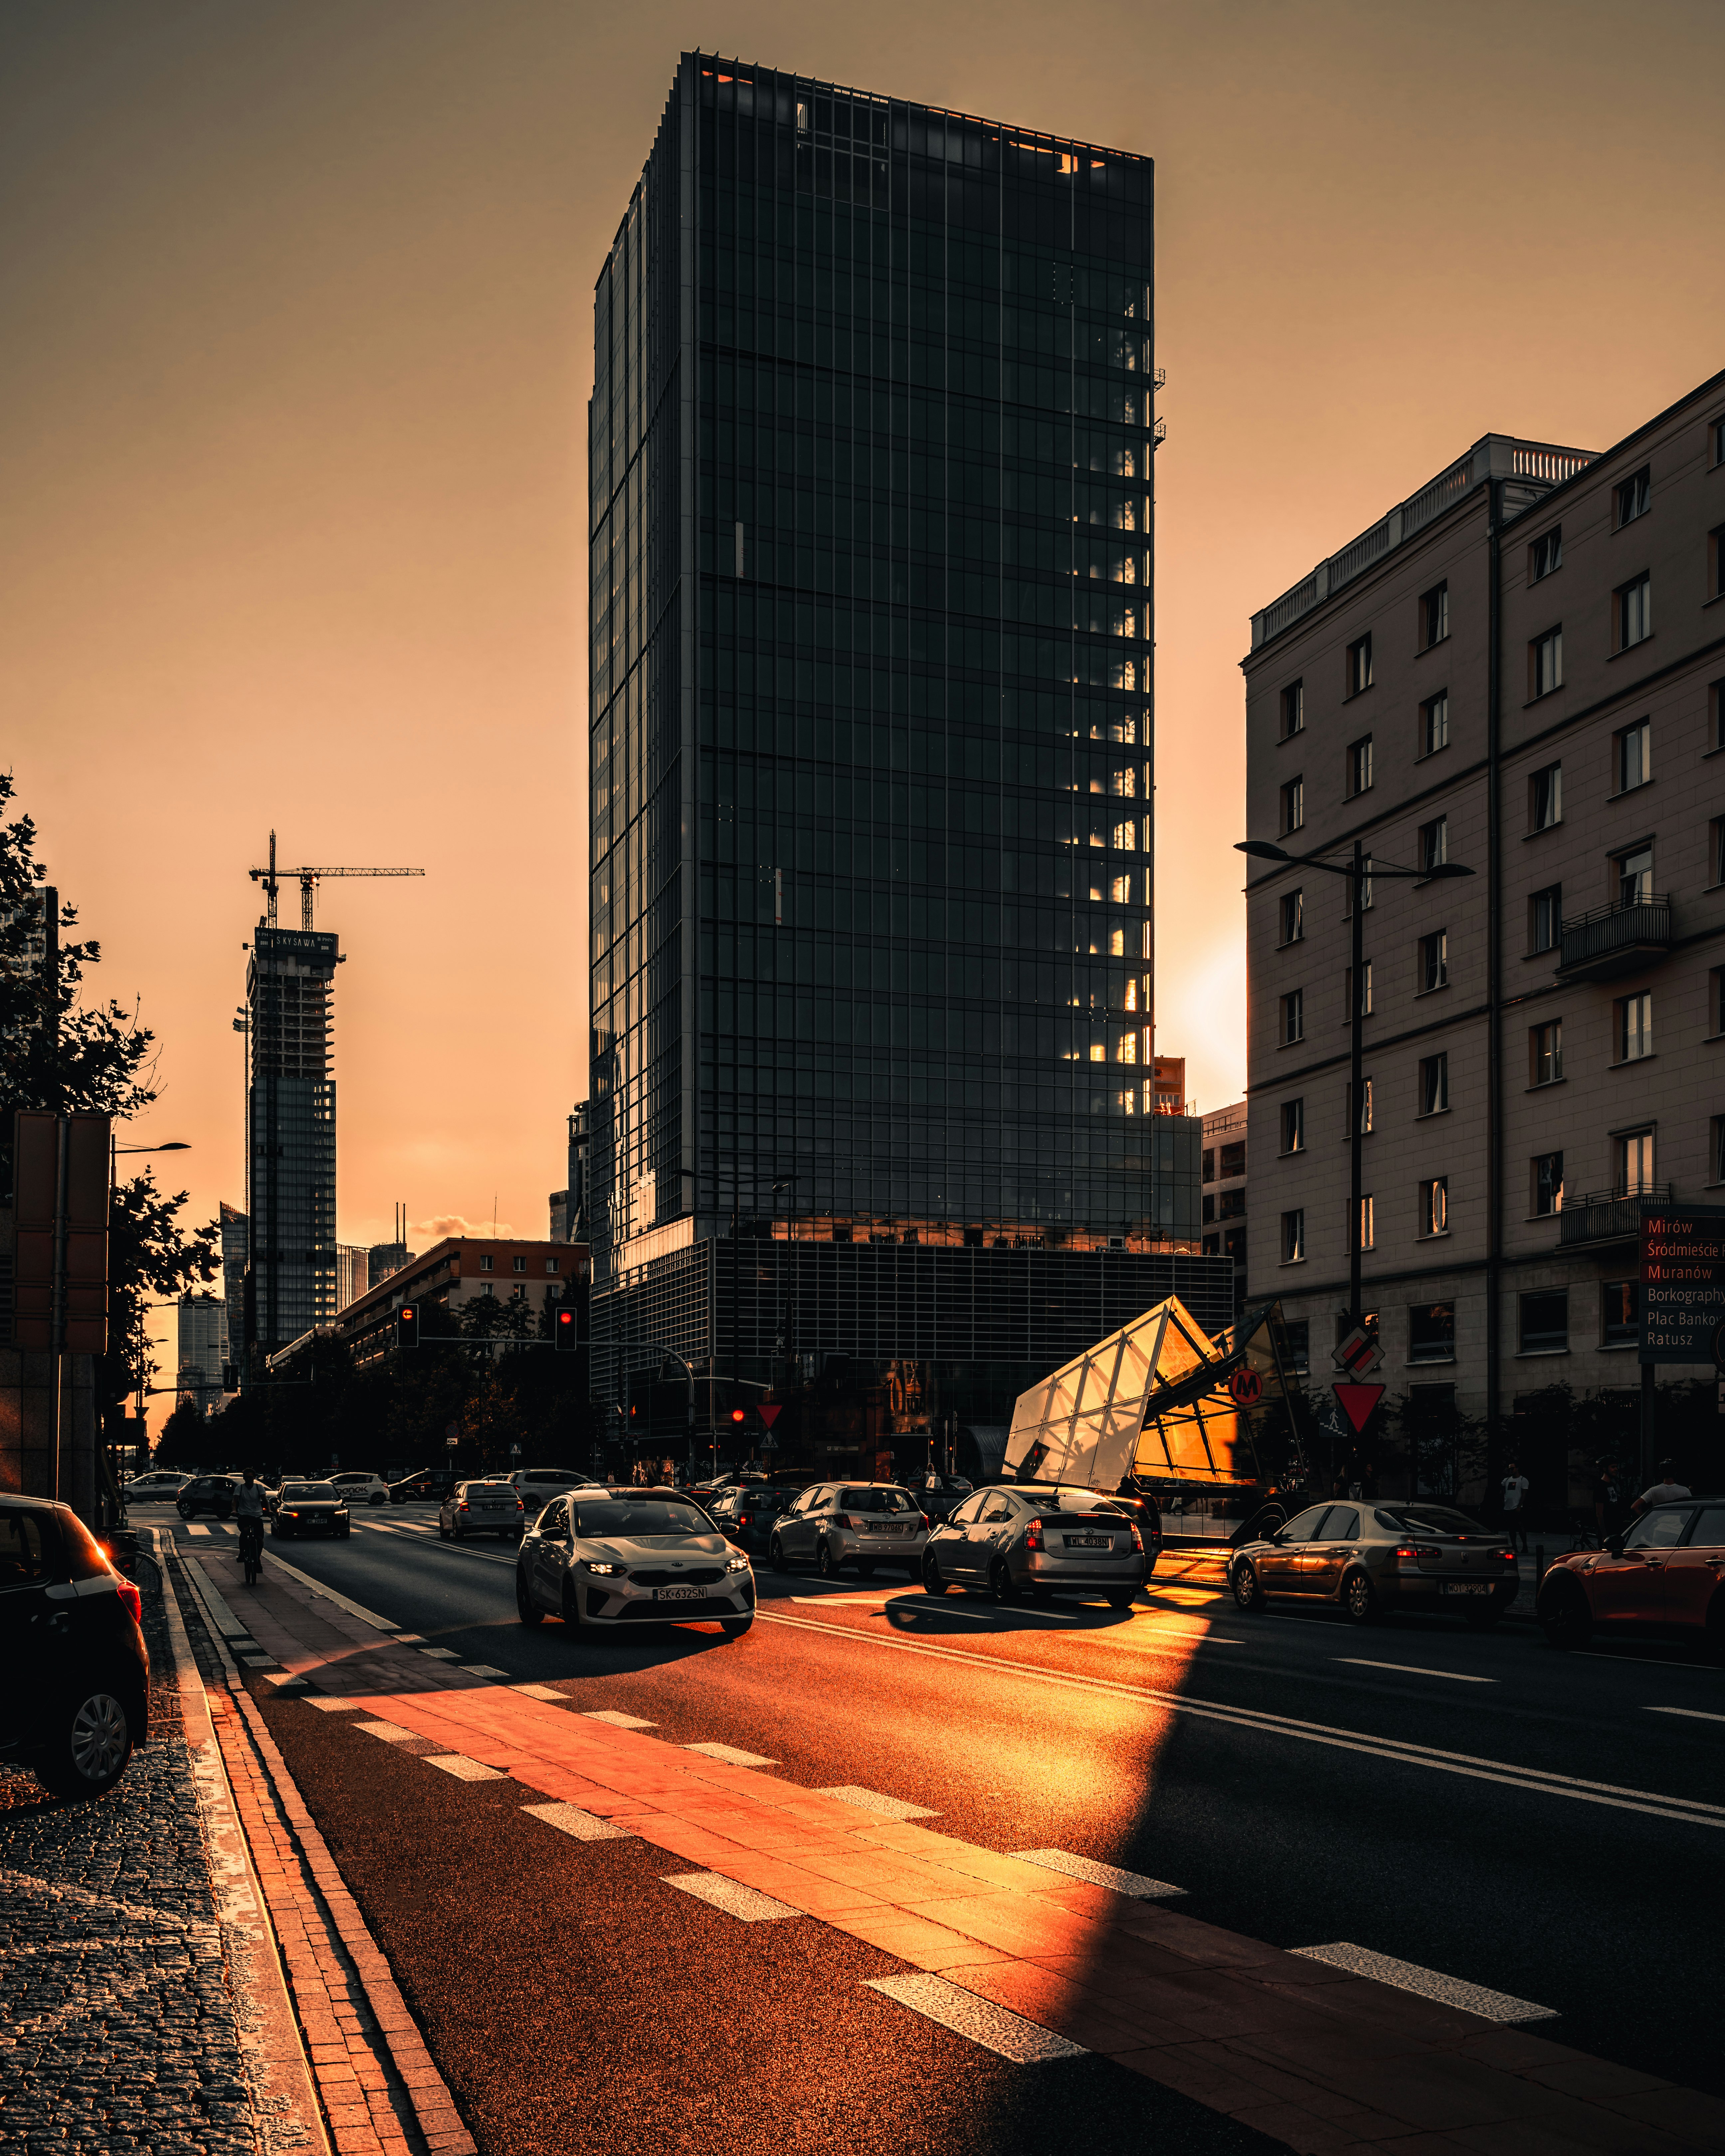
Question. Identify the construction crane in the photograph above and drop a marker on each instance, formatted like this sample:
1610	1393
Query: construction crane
309	881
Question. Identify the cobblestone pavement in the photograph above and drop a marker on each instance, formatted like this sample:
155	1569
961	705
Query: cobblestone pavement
119	2029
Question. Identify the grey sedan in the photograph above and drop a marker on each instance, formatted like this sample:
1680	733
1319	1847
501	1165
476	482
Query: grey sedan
490	1508
1040	1542
1372	1558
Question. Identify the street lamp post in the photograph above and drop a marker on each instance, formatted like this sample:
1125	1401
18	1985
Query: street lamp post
1360	869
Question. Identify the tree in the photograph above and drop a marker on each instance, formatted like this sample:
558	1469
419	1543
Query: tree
185	1438
151	1257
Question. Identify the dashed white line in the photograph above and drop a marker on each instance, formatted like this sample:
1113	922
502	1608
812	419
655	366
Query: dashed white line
464	1768
616	1720
482	1670
392	1733
441	1653
571	1819
1428	1983
1410	1670
729	1754
195	1527
1133	1883
328	1705
1007	2035
746	1903
542	1691
872	1800
1691	1713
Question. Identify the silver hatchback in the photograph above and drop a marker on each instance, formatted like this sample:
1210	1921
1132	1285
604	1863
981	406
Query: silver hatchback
1039	1541
492	1508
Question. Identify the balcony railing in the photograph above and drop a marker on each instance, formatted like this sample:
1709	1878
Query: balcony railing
1615	939
1608	1216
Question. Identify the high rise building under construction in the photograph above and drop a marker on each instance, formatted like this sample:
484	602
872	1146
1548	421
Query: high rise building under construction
290	1133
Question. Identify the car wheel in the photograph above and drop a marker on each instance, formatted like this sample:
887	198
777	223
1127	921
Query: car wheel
1565	1618
1359	1597
932	1581
443	1532
775	1554
1248	1587
1122	1599
825	1564
733	1627
525	1608
1001	1583
89	1745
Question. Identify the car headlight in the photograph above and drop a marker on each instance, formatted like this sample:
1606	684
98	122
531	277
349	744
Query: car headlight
605	1571
737	1564
341	1511
292	1516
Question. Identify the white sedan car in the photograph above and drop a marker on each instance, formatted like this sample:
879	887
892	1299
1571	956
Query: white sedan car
159	1485
599	1559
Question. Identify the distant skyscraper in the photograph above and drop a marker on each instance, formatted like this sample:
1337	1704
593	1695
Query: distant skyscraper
353	1273
235	1240
292	1130
200	1333
872	749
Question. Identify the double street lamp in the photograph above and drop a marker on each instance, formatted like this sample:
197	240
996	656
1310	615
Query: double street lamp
1360	869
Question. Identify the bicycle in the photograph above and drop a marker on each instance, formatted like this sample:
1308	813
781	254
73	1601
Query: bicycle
251	1550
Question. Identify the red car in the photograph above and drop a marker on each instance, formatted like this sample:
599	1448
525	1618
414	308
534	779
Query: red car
1666	1574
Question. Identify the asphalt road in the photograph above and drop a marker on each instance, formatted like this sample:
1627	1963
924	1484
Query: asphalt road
1549	1826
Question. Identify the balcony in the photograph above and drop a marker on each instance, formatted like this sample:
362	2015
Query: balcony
1608	1216
1615	939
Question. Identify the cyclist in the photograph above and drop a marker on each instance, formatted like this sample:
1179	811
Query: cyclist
249	1511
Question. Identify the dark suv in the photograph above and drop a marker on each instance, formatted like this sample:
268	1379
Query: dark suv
76	1697
208	1493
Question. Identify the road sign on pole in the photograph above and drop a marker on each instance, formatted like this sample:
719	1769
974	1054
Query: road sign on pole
1357	1402
1358	1355
769	1411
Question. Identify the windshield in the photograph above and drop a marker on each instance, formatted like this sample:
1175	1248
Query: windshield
1435	1519
648	1517
768	1501
878	1501
307	1493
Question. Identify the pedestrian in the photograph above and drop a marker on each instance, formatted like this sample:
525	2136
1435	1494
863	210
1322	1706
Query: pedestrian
1663	1492
1515	1506
1606	1499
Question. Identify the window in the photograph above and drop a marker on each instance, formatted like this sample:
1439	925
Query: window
1293	917
1545	554
1716	850
521	1265
1293	1015
1434	844
1545	664
1293	709
1367	1223
1233	1160
1293	1236
1359	765
1545	1053
1716	1151
1634	1151
488	1287
486	1264
1718	694
1230	1205
1545	918
1717	999
1716	564
1634	497
1431	1332
1632	876
1209	1165
551	1265
1544	1328
1293	1126
1719	441
1365	1104
1365	989
1635	612
1434	1206
1545	797
1435	615
1621	1313
1435	723
1298	1333
1634	755
1433	1084
1547	1184
1360	666
1293	805
1434	961
1635	1027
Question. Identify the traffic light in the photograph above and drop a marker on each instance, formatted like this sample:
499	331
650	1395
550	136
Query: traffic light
566	1333
407	1326
739	1414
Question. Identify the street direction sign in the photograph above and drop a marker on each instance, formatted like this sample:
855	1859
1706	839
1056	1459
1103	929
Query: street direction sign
1357	1402
1359	1354
1682	1282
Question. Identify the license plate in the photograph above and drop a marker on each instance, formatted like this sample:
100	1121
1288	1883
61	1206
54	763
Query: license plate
680	1594
1088	1542
1467	1587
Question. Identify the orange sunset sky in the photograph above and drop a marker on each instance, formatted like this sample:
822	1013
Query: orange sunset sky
295	346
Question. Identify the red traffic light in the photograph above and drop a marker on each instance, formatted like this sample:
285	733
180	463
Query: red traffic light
407	1326
565	1336
737	1414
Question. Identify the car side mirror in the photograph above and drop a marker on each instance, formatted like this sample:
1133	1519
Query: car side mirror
1614	1543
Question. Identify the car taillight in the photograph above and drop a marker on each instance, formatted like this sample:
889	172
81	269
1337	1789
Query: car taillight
842	1520
462	1506
1508	1556
1137	1541
745	1520
1407	1549
1032	1536
127	1591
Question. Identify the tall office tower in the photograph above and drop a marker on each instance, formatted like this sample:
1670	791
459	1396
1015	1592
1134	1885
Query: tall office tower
871	556
236	1237
353	1273
291	1119
200	1329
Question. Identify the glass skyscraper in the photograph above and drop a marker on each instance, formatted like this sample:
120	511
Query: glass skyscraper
872	742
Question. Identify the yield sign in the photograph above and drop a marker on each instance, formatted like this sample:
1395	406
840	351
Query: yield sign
769	1411
1357	1402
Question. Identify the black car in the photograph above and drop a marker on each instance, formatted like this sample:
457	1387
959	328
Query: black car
310	1508
76	1697
208	1493
745	1516
938	1494
434	1483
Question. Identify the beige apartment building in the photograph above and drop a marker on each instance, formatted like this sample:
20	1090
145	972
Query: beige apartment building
1520	669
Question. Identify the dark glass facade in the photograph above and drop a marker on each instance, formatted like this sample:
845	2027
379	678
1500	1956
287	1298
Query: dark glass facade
291	1124
872	739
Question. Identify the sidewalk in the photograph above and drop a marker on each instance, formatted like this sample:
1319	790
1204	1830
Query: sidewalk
1327	2059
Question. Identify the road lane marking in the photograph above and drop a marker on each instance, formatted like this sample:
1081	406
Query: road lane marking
440	1654
542	1691
872	1800
329	1593
195	1527
330	1705
616	1720
1428	1983
1009	2035
730	1755
1133	1883
1693	1713
746	1903
1690	1811
410	1639
464	1768
482	1670
584	1827
1410	1670
392	1733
